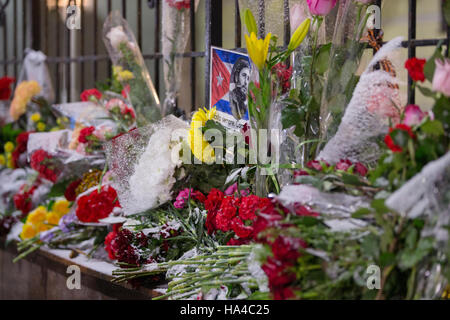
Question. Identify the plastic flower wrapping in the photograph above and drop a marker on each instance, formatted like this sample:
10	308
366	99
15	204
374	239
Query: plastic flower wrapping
358	180
125	54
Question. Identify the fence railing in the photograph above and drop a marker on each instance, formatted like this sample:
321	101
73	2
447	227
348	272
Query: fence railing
36	25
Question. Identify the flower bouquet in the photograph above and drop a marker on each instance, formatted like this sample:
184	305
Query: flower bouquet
125	54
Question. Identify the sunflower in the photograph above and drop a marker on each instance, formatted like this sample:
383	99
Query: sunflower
200	148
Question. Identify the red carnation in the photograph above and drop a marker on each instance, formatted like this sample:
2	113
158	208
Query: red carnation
303	211
96	206
70	193
108	245
84	133
390	142
90	95
248	207
130	112
240	229
287	249
5	87
415	68
344	165
361	169
44	163
317	164
179	4
283	74
21	147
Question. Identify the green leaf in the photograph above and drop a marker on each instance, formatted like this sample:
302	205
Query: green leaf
433	127
351	179
370	246
58	189
400	138
315	182
430	66
446	10
426	91
379	206
323	58
361	213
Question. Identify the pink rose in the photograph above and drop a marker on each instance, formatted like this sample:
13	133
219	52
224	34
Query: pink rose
413	115
441	79
321	7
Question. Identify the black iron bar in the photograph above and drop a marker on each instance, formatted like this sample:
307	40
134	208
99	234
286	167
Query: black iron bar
57	67
5	45
193	71
207	49
237	25
287	23
157	43
412	20
83	28
15	44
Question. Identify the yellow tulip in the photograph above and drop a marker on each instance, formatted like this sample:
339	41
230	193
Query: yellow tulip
250	22
9	146
2	160
299	35
258	49
200	148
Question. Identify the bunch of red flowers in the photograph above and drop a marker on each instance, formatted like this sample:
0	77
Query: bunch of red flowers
179	4
45	164
21	148
120	245
342	165
284	76
23	199
232	213
5	87
91	95
97	205
85	133
70	194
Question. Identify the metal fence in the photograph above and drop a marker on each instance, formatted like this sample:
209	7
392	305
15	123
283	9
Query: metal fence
41	29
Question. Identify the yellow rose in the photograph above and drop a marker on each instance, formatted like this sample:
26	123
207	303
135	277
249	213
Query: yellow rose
2	160
52	218
37	216
40	126
28	231
61	207
35	117
9	146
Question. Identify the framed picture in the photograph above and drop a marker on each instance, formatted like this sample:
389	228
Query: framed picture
230	76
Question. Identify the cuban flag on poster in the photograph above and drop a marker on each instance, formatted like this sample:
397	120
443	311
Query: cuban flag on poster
230	76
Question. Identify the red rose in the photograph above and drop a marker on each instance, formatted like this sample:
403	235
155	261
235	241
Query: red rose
23	199
70	193
5	87
21	147
277	273
84	133
214	200
415	68
108	247
390	142
90	94
96	206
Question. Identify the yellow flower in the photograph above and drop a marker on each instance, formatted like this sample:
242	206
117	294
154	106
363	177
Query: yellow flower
37	216
43	227
22	95
125	75
117	70
35	117
28	231
9	146
52	218
258	49
200	148
61	207
2	160
299	35
40	126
